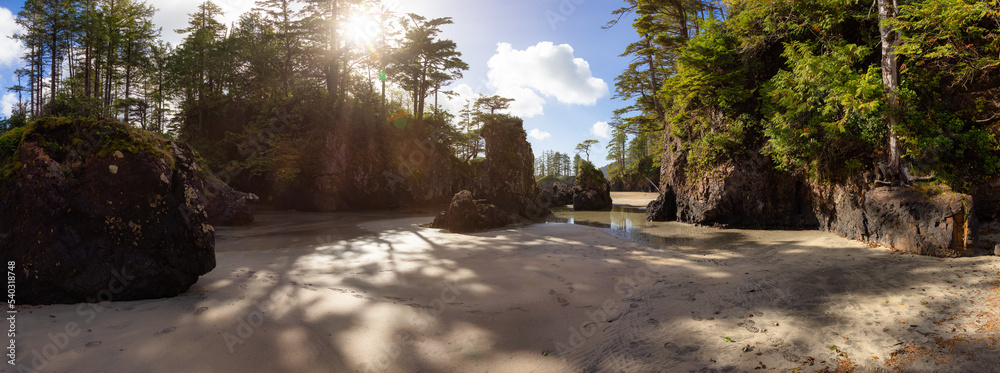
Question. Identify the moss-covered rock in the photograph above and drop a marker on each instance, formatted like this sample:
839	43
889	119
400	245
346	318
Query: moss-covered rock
592	191
95	210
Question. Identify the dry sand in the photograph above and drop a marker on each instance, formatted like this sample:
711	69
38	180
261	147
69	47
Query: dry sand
639	199
301	292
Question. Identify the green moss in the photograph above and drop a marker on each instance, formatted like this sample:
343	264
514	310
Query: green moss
65	139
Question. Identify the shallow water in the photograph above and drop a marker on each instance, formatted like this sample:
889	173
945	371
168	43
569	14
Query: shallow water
629	223
624	222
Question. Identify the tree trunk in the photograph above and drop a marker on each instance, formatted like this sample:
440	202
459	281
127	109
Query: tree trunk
651	60
890	80
333	70
53	77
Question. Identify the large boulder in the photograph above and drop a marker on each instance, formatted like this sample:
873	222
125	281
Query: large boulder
505	188
466	214
95	211
927	221
592	191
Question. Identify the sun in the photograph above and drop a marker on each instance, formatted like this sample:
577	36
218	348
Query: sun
362	27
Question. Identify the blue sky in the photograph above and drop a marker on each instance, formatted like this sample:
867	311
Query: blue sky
550	55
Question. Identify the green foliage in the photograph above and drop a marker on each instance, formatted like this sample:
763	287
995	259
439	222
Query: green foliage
546	182
9	141
935	140
959	38
589	176
825	109
19	118
798	81
709	73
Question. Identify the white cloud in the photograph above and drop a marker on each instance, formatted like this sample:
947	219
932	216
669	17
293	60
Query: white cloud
7	103
455	104
10	49
539	135
173	14
602	130
544	69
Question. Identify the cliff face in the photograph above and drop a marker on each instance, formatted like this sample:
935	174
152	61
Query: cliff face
751	193
93	211
748	193
353	173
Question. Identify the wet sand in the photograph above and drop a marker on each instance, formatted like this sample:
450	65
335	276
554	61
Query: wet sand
377	292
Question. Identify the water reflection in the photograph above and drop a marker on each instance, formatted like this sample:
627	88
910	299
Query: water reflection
624	222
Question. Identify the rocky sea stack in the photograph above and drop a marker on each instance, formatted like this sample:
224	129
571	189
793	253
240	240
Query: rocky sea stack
592	191
505	188
95	210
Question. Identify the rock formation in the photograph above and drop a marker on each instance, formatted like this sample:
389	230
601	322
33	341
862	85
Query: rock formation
466	214
751	193
562	194
592	191
663	208
94	211
505	186
224	205
937	223
355	172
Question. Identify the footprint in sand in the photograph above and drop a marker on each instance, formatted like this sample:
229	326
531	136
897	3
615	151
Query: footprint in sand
200	311
750	326
166	331
653	322
562	301
696	316
790	357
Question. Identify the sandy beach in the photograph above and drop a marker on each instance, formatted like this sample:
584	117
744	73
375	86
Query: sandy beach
376	292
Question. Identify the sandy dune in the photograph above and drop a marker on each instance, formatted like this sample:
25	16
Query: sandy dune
354	293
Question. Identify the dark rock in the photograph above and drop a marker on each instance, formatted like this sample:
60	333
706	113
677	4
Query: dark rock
224	205
509	180
751	193
562	194
748	193
592	191
466	214
354	172
85	223
932	221
506	192
986	197
664	207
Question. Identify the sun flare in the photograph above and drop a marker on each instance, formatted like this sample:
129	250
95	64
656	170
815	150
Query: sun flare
362	27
